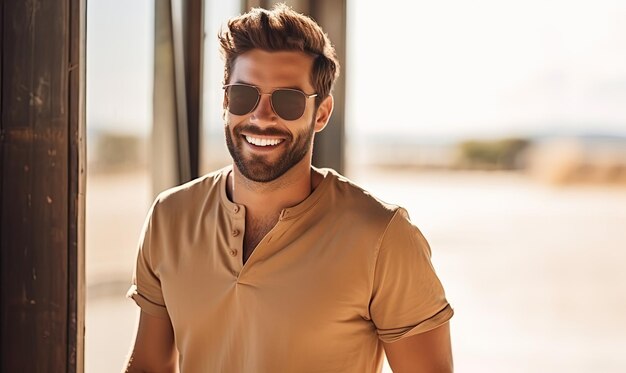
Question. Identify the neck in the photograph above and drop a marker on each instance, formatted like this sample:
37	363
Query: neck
270	198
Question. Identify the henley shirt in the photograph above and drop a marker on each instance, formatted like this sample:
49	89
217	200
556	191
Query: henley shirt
339	273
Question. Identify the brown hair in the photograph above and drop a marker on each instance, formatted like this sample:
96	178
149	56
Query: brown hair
281	29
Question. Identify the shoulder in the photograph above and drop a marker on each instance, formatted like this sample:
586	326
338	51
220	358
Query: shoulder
346	191
201	184
190	199
348	198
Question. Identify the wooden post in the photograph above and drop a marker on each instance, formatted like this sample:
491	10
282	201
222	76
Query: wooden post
329	147
193	25
42	180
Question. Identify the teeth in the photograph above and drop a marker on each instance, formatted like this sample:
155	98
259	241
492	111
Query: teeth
262	142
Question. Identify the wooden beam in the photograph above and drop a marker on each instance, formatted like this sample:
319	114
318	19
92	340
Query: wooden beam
329	147
194	40
77	187
42	186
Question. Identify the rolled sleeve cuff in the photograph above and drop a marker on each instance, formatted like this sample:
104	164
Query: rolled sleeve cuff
438	319
146	305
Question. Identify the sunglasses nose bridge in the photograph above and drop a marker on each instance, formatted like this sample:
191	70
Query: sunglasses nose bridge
264	107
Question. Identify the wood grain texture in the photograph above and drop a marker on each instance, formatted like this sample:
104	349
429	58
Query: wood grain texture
38	195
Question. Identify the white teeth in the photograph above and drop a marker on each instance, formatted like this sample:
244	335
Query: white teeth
263	142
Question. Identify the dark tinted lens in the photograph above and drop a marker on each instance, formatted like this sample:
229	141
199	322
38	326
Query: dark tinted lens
288	104
241	99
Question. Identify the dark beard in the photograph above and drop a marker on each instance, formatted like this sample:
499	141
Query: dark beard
257	168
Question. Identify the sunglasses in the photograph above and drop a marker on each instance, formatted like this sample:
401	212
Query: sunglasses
287	103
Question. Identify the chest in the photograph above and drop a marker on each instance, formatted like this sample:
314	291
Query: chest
256	229
275	310
294	297
294	269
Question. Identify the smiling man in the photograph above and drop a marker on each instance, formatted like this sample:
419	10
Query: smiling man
272	265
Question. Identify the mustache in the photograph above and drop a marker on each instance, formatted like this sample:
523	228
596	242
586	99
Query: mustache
254	130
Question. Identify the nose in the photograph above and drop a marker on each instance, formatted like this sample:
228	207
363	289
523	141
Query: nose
264	113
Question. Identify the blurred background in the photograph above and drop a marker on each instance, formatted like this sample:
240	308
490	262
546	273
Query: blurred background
499	125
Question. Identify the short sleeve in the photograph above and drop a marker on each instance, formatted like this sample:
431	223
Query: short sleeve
407	296
146	285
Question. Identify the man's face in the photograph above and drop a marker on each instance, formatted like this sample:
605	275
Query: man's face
263	145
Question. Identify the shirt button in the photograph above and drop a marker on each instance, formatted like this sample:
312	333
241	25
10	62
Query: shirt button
233	252
236	209
235	232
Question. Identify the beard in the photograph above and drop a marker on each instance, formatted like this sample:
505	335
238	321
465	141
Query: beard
256	167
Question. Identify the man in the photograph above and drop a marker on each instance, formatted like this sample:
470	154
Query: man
272	265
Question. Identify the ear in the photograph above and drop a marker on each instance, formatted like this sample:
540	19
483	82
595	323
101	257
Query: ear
323	113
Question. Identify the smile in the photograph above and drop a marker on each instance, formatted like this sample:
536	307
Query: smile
262	141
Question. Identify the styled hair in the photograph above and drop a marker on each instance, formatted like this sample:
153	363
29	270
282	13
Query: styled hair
281	29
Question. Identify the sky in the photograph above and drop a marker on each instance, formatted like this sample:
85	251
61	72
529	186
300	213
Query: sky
449	68
119	65
488	66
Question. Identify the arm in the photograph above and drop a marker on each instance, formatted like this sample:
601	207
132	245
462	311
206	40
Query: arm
154	349
428	352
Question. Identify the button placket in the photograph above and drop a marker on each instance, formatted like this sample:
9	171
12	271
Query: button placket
235	244
235	240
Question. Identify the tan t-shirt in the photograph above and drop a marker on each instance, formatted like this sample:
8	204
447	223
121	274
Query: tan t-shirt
339	272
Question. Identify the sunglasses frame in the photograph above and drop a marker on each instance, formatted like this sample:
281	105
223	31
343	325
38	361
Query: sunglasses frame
271	93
